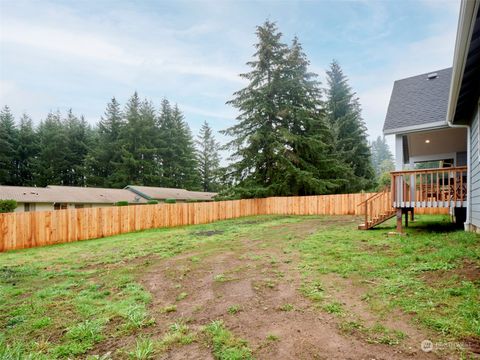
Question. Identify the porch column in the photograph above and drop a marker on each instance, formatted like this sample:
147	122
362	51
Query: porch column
398	152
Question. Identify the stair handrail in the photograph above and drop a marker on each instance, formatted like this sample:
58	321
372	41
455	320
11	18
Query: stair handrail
385	189
373	209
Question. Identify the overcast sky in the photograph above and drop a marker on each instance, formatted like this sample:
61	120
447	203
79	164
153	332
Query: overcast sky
78	54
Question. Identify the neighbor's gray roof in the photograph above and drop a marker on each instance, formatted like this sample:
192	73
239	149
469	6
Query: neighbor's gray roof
418	102
160	193
68	194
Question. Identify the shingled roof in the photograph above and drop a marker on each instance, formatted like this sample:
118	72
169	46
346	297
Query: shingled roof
160	193
419	102
68	194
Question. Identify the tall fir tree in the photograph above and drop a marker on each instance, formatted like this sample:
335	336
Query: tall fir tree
179	165
208	159
256	148
138	137
349	130
281	141
51	165
311	165
104	159
79	137
27	152
8	147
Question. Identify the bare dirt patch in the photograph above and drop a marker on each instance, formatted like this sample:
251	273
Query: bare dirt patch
261	282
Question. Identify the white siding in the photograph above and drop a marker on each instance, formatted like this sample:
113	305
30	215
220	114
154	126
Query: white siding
475	171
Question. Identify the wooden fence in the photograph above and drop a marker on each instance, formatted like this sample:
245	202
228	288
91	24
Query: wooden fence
30	229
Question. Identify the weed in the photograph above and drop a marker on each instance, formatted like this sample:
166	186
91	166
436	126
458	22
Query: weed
333	308
168	309
143	349
272	337
181	296
225	345
313	290
178	334
287	307
232	310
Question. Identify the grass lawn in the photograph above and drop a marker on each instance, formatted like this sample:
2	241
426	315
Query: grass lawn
259	287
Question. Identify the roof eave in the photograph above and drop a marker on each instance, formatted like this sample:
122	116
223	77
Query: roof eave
416	128
466	23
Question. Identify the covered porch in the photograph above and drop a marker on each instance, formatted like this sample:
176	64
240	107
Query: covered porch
431	169
431	172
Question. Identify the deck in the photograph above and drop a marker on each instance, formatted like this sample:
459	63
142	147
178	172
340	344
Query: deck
443	187
411	189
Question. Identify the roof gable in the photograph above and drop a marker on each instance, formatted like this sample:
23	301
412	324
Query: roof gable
418	102
161	193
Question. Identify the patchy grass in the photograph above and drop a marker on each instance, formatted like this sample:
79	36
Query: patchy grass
421	273
67	300
60	301
225	345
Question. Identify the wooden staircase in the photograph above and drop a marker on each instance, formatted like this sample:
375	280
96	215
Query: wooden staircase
377	208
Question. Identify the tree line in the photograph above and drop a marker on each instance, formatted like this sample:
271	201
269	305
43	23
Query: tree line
293	136
137	145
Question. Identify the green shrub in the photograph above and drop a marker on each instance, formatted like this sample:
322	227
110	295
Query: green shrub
152	202
121	203
192	200
170	201
7	206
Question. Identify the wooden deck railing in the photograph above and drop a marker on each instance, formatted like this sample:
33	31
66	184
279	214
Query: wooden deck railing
441	187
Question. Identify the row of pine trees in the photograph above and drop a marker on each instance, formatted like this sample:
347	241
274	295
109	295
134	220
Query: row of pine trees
135	145
292	137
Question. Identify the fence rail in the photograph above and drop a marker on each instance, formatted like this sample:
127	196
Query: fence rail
31	229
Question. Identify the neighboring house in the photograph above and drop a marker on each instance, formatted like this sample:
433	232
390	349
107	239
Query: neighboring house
161	194
434	117
65	197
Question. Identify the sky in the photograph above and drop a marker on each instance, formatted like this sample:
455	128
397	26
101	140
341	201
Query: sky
57	55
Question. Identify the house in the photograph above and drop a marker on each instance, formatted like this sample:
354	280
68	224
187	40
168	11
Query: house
161	193
434	117
56	197
65	197
464	101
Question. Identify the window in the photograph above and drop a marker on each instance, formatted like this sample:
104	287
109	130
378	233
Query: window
59	206
28	207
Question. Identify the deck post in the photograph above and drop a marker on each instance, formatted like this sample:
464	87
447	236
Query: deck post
399	221
406	218
412	215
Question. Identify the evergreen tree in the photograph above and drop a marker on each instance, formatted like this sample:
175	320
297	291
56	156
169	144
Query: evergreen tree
349	130
382	158
310	163
179	165
256	147
208	159
281	142
8	146
138	138
52	166
104	158
79	136
27	152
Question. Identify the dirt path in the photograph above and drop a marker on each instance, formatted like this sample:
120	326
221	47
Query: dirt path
259	281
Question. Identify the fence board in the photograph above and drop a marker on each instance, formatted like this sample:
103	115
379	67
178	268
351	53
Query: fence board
24	230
